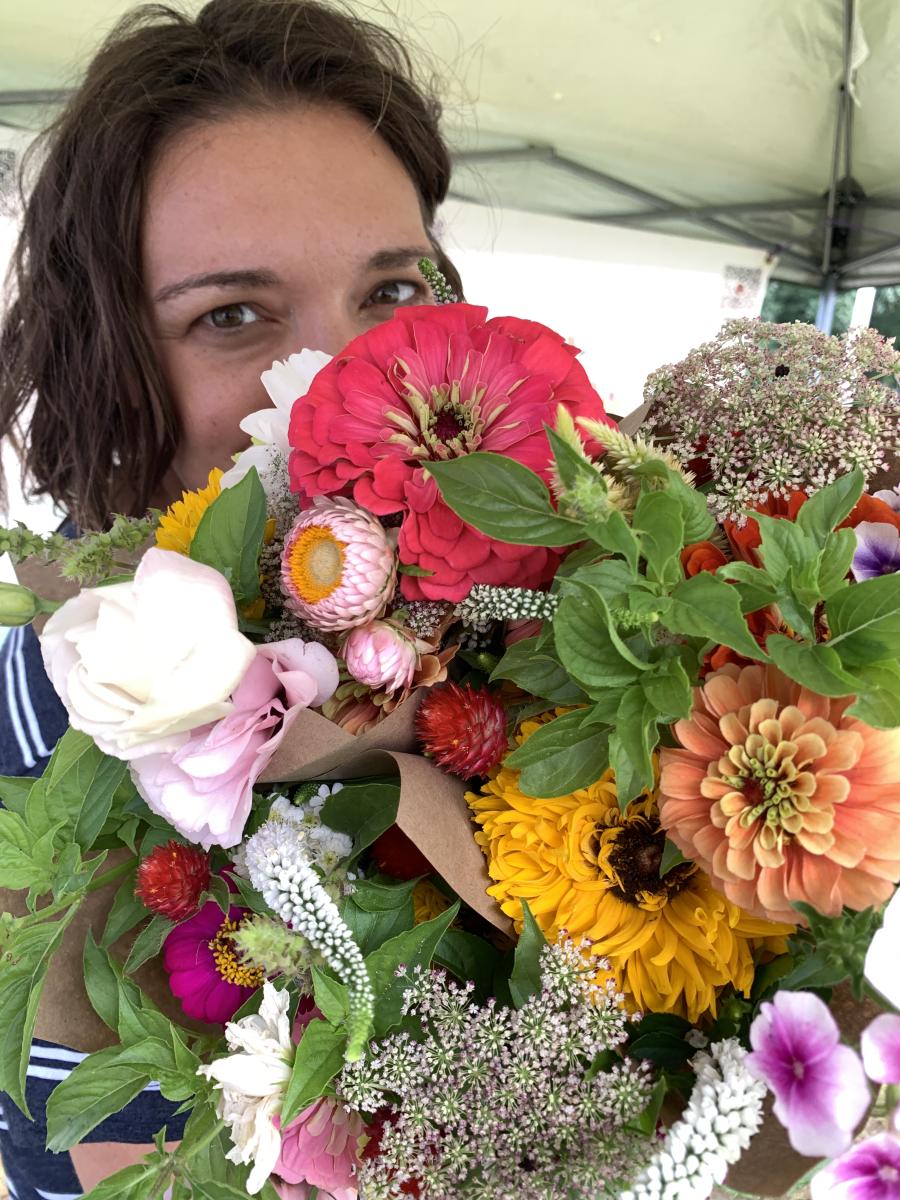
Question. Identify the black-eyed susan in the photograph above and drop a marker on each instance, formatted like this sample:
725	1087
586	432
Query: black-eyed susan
585	866
179	522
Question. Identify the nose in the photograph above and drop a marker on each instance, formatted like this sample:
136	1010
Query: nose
326	325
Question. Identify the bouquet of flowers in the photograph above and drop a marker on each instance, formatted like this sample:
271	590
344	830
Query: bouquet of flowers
464	797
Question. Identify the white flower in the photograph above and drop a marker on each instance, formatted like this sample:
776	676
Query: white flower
286	382
253	1082
138	665
723	1113
884	950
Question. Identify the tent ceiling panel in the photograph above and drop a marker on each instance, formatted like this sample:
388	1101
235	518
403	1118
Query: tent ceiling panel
597	109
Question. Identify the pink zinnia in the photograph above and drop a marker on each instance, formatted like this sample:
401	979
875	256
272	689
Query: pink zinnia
780	797
205	973
431	384
319	1149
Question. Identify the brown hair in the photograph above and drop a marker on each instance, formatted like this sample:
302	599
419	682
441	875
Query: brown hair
73	338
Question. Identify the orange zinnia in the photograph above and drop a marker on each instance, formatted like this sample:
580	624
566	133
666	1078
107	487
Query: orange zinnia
781	797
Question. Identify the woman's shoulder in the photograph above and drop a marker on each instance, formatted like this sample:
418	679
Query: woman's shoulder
32	718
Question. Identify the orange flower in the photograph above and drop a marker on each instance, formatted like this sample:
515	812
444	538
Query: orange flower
701	556
745	539
780	797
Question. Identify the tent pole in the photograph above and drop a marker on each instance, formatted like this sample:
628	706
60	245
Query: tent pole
827	299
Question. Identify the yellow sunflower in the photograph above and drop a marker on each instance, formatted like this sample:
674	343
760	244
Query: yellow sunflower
179	522
583	865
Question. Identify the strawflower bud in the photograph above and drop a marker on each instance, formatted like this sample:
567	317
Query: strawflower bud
382	655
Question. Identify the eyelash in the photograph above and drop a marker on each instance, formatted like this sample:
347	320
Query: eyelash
417	298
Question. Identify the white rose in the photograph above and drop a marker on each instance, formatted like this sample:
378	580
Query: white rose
285	382
140	664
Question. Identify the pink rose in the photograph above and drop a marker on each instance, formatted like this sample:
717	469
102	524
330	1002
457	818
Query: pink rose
205	788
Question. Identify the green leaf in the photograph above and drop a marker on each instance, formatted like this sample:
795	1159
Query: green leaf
756	588
587	644
18	868
705	606
250	897
572	464
137	1182
614	534
81	783
319	1057
668	689
835	562
541	674
148	943
698	523
330	997
372	896
814	665
660	526
613	578
363	811
503	499
865	621
414	948
663	1049
469	958
525	978
14	791
878	699
561	756
95	1089
671	858
785	547
826	508
630	744
101	982
230	536
220	892
372	929
126	911
215	1189
26	953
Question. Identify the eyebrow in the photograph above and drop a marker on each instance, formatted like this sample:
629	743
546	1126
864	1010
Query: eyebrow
393	259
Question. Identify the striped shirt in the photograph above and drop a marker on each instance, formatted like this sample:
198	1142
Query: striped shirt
32	719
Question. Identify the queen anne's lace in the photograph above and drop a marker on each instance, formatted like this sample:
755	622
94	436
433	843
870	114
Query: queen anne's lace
722	1115
278	867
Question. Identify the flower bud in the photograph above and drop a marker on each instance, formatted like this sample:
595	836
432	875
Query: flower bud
381	655
18	605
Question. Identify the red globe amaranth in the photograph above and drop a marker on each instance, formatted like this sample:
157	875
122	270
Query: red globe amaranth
171	880
435	383
396	855
462	728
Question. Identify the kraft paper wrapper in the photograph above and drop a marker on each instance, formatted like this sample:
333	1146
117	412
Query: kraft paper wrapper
432	811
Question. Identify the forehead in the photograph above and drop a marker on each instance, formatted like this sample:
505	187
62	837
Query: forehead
304	187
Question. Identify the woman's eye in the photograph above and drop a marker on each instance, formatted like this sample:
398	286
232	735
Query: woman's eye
394	293
230	316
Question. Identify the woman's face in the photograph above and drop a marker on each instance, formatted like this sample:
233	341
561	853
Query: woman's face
264	234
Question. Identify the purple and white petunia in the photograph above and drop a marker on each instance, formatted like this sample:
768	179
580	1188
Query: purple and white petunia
820	1088
880	1045
877	550
891	497
870	1171
884	953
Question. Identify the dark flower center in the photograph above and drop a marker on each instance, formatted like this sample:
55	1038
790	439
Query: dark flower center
448	425
636	859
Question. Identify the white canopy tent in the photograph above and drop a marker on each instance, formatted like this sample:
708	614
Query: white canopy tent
757	122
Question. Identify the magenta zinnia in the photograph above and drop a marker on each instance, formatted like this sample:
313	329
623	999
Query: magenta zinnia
432	384
204	970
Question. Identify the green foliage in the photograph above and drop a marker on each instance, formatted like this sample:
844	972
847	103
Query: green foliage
411	949
525	977
319	1058
363	811
230	536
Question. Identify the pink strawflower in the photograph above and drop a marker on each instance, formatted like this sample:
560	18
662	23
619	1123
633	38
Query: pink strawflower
431	384
382	655
205	973
820	1088
205	788
870	1171
319	1148
338	567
